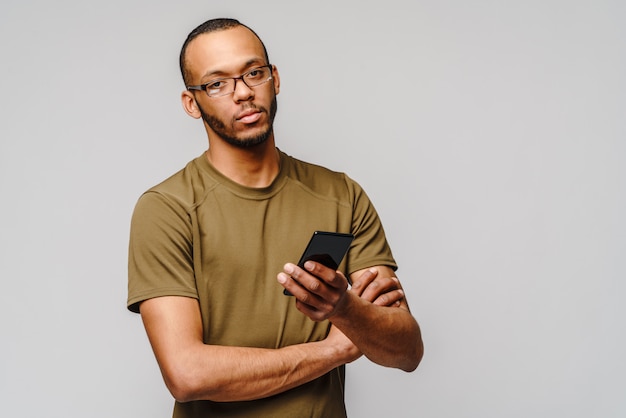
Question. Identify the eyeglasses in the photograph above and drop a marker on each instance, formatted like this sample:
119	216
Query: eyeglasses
225	86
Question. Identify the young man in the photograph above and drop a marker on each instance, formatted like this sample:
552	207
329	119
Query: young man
209	254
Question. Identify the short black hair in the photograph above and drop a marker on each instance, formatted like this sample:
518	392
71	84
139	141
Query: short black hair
212	25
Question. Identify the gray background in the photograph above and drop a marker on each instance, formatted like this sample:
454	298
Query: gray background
490	136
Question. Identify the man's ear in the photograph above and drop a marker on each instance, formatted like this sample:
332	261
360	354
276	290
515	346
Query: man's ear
190	105
276	79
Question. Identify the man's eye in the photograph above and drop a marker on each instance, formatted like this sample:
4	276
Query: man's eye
216	85
257	74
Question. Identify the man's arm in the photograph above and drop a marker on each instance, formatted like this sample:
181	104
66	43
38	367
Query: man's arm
193	370
388	336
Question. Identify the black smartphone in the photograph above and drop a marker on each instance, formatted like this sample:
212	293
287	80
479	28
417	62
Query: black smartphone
327	248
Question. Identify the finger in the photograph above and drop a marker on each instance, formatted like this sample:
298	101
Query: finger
379	286
310	304
305	280
313	296
288	283
393	298
296	281
306	301
361	283
328	276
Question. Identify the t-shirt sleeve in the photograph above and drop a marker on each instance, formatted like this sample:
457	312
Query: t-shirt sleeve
160	261
370	246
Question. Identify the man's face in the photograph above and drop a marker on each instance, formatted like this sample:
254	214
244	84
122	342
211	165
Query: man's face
245	117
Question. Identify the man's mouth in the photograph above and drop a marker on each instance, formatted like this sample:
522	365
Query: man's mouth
248	116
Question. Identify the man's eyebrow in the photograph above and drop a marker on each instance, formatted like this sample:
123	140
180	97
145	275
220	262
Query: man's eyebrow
212	73
219	73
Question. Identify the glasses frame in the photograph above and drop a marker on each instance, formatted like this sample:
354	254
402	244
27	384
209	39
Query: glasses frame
203	87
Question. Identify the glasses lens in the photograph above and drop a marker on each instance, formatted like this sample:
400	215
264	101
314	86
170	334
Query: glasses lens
257	76
220	87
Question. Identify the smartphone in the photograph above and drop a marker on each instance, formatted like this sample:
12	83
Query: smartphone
327	248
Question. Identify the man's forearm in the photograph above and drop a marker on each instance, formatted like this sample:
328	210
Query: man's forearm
193	370
388	336
224	374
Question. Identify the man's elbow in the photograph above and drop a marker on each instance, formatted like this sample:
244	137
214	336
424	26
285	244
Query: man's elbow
185	386
413	350
415	359
181	389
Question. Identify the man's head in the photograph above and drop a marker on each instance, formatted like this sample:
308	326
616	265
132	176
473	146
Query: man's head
209	26
214	54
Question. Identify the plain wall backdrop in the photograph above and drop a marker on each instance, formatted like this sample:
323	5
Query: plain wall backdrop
490	135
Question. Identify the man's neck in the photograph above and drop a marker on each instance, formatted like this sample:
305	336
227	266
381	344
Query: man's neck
256	167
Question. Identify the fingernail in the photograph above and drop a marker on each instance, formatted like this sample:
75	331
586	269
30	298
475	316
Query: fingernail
288	268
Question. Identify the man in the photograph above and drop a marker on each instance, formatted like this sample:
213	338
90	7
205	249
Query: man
210	246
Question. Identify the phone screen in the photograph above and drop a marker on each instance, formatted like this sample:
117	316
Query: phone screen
327	248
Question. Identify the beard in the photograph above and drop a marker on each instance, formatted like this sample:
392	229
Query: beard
219	127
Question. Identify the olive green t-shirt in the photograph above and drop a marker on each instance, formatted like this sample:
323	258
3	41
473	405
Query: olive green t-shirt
200	235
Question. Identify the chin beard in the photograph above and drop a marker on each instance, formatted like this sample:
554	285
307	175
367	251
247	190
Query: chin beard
220	129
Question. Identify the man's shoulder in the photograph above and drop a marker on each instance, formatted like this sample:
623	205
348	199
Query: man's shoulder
184	186
323	182
307	171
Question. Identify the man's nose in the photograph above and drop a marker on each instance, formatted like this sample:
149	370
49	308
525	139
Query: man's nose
242	91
